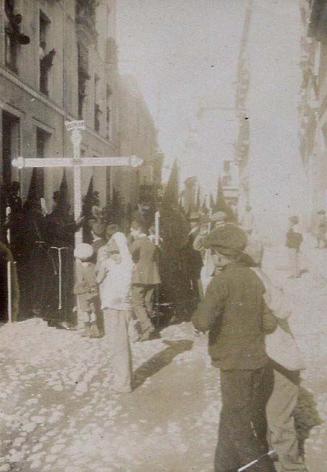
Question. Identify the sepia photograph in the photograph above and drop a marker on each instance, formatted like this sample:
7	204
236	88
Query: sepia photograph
163	235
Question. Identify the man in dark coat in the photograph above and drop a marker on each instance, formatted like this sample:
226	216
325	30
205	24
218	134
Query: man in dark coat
193	260
237	318
39	264
145	277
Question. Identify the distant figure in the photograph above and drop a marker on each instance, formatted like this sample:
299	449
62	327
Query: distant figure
234	209
293	242
321	229
247	222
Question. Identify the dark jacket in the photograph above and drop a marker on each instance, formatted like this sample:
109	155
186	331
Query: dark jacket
192	257
145	256
237	318
293	239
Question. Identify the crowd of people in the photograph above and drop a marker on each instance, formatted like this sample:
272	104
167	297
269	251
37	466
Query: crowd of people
123	281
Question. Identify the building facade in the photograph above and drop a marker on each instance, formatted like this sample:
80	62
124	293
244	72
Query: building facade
137	136
313	109
58	62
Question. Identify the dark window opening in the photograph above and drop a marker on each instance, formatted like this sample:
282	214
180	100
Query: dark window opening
97	109
108	111
83	76
13	36
10	150
10	144
45	54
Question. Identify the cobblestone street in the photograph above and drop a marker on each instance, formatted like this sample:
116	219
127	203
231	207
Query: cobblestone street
58	413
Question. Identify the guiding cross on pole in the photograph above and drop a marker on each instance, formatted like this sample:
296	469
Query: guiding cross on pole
76	162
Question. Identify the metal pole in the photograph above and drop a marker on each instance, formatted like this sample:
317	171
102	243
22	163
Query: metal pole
157	243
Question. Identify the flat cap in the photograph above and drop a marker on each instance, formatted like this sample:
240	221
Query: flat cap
230	240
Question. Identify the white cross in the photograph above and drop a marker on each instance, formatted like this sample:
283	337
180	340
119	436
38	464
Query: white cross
76	162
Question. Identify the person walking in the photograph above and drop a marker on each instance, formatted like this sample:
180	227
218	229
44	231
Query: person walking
293	243
321	229
237	318
114	276
145	278
247	222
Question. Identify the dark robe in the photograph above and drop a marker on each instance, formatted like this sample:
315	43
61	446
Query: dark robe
174	289
40	265
5	258
21	244
60	237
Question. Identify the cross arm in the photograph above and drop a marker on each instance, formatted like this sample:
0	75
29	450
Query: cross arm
22	163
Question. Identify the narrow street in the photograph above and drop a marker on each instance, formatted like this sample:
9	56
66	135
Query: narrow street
58	413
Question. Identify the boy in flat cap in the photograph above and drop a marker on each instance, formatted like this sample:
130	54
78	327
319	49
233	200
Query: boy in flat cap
237	318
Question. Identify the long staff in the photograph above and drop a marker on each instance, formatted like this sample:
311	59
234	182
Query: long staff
157	243
250	464
9	273
59	250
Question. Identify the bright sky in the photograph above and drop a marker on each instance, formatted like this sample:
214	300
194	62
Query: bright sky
183	54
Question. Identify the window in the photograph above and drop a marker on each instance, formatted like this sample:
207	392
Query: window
97	109
108	111
10	146
83	76
46	55
226	167
13	36
42	146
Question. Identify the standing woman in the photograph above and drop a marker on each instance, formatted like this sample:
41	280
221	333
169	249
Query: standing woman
114	276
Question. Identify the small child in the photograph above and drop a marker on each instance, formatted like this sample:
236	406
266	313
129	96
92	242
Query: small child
86	289
293	243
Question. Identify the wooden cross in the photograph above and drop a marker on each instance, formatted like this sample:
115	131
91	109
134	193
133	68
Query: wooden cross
76	162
